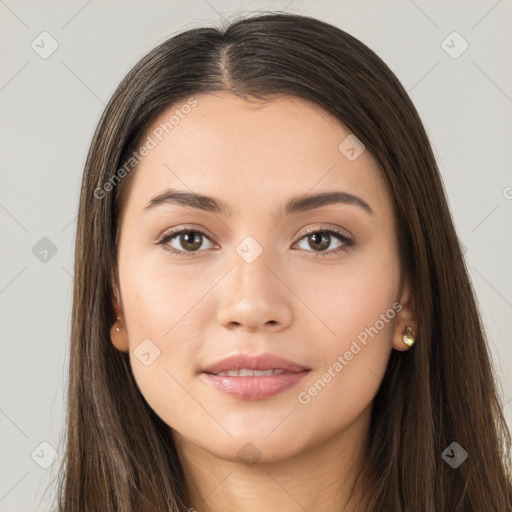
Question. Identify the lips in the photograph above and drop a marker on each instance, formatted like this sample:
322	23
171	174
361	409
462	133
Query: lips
262	362
254	377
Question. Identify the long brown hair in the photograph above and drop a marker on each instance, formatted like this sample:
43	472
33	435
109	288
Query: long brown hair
119	454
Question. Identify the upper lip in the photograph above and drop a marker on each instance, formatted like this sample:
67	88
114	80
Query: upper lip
261	362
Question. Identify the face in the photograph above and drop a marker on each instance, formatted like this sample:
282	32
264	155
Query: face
318	284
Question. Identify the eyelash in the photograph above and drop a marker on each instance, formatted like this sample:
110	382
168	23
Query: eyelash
347	242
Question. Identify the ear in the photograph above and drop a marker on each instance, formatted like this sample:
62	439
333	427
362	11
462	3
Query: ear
406	317
118	332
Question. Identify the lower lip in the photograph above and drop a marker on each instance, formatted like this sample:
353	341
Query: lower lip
255	387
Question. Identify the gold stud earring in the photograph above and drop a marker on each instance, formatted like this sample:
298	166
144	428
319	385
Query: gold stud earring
117	328
407	337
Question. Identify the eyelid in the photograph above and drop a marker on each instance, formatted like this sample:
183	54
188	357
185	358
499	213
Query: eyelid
331	228
178	229
205	232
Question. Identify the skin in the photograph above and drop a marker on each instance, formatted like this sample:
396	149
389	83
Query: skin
290	301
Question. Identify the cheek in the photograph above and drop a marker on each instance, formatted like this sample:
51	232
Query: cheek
163	309
349	298
156	293
158	306
355	309
162	350
352	359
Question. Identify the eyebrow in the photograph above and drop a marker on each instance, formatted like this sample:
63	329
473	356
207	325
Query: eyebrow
294	205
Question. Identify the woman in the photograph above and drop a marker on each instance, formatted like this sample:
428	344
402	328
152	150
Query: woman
271	309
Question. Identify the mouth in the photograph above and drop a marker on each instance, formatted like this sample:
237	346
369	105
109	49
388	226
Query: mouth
247	372
254	378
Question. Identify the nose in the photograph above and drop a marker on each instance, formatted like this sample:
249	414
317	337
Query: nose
254	297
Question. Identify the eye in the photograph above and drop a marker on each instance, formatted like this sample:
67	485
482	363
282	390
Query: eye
189	239
320	239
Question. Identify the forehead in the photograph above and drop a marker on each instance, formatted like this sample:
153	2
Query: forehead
251	152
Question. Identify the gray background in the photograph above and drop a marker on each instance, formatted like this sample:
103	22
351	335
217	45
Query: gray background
50	107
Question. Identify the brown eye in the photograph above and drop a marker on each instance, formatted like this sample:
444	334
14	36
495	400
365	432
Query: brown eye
321	239
189	241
